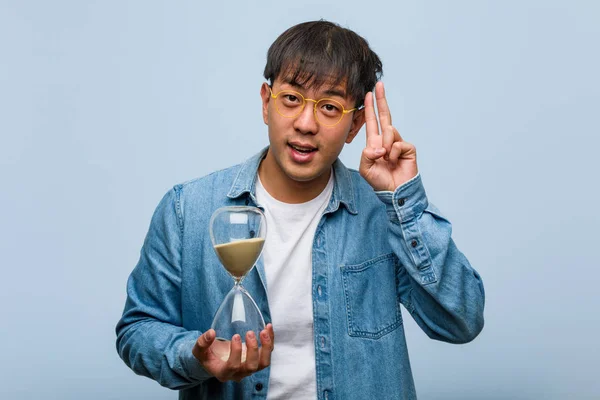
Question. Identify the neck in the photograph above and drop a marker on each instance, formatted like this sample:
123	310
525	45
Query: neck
285	189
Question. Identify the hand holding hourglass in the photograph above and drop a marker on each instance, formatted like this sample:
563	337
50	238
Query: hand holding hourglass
238	343
234	369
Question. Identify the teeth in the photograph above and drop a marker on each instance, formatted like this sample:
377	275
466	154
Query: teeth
301	150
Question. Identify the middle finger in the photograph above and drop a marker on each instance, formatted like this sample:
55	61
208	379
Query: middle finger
235	356
251	352
385	120
385	117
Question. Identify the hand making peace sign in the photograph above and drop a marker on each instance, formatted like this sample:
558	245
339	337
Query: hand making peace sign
387	161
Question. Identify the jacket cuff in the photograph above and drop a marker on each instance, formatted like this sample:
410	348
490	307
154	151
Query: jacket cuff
190	365
405	203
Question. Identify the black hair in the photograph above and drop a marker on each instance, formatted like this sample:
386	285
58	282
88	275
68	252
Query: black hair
316	53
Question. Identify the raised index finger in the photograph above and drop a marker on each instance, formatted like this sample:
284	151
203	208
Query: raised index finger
373	139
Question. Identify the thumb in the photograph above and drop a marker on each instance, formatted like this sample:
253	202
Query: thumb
371	154
203	343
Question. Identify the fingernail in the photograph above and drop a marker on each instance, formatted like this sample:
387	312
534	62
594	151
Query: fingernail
379	150
208	335
265	337
251	335
237	338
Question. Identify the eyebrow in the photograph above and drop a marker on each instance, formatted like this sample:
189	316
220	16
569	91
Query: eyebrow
328	92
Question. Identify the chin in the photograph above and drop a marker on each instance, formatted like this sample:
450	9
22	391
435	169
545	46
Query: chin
303	179
300	177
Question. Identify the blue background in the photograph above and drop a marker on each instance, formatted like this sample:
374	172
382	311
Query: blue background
104	105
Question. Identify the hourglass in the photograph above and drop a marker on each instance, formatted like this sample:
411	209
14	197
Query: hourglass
238	235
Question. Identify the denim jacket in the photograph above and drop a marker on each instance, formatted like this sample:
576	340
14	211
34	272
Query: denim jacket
372	251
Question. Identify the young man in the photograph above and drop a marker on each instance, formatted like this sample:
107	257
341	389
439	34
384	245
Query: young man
343	250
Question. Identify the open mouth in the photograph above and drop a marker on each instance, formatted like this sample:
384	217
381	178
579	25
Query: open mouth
302	149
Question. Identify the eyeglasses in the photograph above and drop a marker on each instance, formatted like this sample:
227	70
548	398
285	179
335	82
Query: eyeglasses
328	112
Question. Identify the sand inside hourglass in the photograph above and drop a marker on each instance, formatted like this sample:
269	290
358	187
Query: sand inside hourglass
239	256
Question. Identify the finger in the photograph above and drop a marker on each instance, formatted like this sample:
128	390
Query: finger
371	121
251	352
203	343
271	333
395	153
401	150
385	117
267	343
389	136
370	155
235	356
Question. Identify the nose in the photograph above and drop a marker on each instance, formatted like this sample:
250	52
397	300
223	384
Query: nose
305	122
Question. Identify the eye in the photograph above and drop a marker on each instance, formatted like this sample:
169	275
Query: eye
290	99
330	108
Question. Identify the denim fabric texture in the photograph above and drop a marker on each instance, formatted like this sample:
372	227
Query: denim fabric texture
372	252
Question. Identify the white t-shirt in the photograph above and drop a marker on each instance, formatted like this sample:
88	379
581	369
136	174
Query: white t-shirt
287	258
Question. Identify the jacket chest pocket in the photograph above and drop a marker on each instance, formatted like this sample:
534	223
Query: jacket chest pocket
370	289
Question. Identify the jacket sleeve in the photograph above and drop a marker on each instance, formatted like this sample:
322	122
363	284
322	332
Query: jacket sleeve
150	336
437	285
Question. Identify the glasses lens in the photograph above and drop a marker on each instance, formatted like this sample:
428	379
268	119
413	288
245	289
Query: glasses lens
289	104
329	112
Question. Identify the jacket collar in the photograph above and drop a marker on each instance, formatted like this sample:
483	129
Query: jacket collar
343	189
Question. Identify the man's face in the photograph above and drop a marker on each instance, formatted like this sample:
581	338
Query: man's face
301	148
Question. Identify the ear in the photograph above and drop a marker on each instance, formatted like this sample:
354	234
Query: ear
265	95
358	120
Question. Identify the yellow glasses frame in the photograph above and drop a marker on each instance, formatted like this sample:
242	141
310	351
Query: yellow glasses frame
304	100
